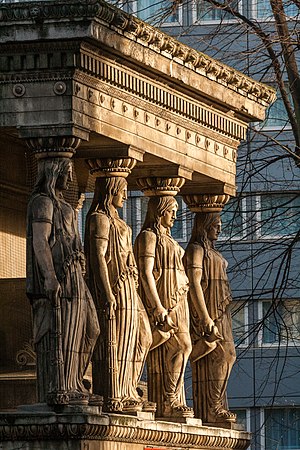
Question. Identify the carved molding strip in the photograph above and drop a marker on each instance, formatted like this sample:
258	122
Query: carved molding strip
160	186
138	30
59	146
159	96
210	438
111	167
206	202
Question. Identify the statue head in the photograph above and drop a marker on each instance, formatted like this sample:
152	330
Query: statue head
207	227
53	175
161	212
110	193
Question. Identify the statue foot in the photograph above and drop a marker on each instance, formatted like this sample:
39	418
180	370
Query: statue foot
78	398
113	405
149	406
177	410
222	415
132	405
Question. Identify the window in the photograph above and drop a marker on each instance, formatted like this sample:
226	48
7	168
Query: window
136	209
278	214
179	230
206	12
281	322
261	9
233	219
239	314
242	417
158	12
282	429
276	115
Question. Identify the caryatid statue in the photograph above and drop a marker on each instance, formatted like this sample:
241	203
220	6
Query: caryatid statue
163	288
213	352
64	317
125	336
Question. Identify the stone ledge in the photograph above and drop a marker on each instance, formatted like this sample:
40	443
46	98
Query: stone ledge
74	424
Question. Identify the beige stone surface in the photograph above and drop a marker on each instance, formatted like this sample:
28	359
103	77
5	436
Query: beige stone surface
65	325
125	336
163	289
213	352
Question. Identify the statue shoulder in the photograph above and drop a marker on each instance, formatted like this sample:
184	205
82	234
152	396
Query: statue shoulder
41	208
147	242
194	253
99	224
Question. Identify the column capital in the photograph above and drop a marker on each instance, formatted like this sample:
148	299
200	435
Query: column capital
111	167
160	186
53	146
206	202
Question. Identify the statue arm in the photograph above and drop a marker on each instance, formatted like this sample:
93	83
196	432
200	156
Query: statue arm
194	260
99	236
146	266
41	231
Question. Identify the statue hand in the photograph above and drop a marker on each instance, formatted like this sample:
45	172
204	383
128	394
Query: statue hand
160	314
111	305
52	289
206	325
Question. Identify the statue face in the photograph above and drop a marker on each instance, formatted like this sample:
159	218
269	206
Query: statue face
214	230
120	197
64	178
169	216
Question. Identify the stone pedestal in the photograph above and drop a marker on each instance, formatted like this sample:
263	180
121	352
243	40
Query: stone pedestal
85	428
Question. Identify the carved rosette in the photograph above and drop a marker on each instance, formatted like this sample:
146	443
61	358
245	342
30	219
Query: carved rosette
53	147
206	202
160	186
111	167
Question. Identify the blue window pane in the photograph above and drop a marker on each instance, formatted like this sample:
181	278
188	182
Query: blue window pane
281	322
157	11
264	10
206	12
238	314
232	218
282	429
280	214
276	115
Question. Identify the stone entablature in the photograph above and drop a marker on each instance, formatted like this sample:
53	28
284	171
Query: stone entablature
107	75
136	30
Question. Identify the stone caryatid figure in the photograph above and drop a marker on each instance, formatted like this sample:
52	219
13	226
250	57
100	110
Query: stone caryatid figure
163	288
125	336
213	352
64	317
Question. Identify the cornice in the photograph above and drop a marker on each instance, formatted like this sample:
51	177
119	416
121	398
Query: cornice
141	32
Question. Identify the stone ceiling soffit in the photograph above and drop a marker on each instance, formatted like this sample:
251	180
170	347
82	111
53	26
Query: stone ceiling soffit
121	151
162	170
208	185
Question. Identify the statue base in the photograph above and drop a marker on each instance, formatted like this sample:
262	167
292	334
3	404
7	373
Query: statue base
85	428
